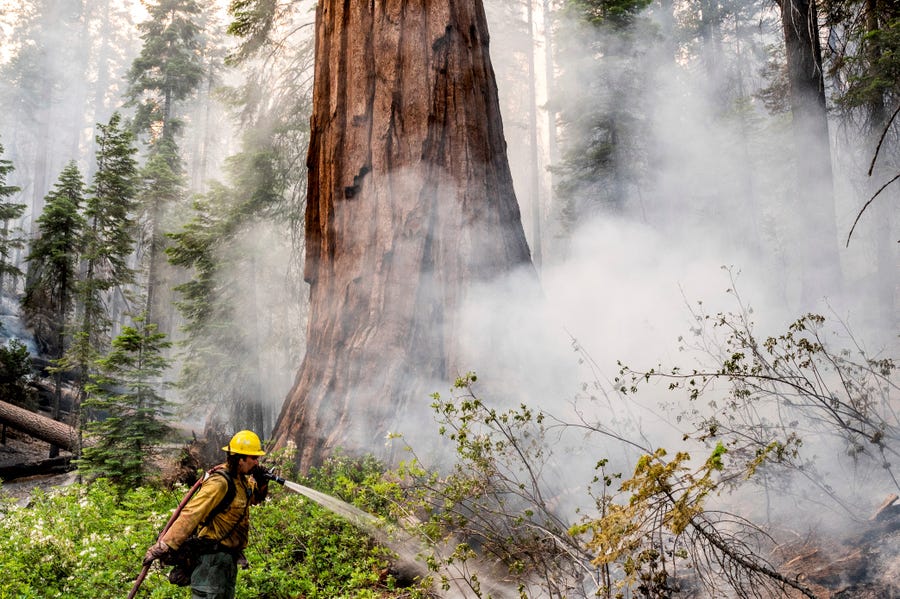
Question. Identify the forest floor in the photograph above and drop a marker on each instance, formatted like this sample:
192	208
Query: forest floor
22	449
864	565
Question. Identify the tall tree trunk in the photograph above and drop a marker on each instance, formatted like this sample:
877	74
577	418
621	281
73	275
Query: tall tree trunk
534	151
75	109
749	210
43	143
711	48
410	202
817	238
154	251
203	133
552	145
249	407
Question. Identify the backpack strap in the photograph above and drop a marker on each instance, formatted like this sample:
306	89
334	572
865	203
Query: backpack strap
225	502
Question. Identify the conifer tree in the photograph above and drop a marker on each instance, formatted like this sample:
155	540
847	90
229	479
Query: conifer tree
168	70
9	211
53	262
109	234
126	391
15	368
604	148
216	371
222	368
53	270
108	242
163	186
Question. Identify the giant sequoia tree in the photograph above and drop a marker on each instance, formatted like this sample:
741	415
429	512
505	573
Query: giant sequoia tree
410	202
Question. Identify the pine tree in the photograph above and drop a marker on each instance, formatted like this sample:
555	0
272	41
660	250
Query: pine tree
207	362
53	270
604	148
168	69
222	367
53	262
163	185
109	235
9	211
126	398
218	371
108	241
15	368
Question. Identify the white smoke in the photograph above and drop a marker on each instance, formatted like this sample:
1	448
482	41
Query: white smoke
715	217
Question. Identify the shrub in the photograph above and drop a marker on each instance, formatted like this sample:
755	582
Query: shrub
87	541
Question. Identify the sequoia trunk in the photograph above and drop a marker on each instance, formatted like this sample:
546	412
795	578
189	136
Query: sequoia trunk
410	202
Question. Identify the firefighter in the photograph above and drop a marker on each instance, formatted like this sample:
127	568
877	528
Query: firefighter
213	527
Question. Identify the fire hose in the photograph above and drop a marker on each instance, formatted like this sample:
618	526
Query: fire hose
187	497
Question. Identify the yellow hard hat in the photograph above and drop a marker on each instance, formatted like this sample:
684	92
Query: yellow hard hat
245	443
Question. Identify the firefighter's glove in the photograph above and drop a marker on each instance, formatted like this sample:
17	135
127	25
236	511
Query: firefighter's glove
242	562
156	551
260	474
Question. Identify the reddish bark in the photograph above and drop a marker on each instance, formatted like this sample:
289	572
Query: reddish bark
410	202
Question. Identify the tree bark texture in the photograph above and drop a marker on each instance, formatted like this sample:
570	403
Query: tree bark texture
410	202
817	240
40	427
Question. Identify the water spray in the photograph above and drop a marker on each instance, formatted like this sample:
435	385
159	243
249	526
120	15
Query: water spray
398	540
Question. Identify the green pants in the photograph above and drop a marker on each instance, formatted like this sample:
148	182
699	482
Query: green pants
214	577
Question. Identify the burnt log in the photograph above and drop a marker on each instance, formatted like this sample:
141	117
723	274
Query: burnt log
57	465
46	429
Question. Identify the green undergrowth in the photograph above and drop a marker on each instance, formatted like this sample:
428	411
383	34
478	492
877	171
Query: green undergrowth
87	541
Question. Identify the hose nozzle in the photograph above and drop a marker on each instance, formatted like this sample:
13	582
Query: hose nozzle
272	476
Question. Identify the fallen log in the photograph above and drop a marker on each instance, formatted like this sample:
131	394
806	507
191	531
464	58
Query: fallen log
57	465
46	429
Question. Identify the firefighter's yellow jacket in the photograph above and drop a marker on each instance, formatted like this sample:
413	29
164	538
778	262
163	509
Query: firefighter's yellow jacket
230	528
